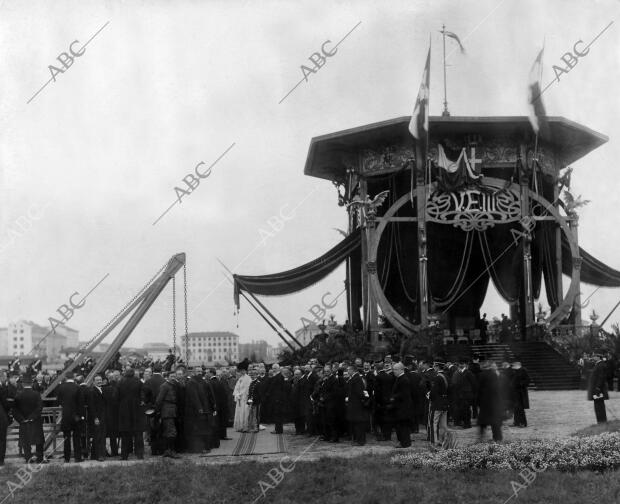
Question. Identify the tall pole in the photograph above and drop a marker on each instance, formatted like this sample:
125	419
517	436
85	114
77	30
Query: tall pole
445	112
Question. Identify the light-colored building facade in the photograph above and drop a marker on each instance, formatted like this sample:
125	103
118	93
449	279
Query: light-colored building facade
210	348
307	333
24	337
158	351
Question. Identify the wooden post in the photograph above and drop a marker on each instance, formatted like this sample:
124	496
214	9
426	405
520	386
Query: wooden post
364	259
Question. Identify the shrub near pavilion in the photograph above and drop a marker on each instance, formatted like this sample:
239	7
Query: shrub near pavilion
596	453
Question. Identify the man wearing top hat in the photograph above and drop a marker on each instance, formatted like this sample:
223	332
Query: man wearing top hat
597	388
520	382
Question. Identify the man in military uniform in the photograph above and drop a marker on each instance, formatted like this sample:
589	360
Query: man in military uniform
166	406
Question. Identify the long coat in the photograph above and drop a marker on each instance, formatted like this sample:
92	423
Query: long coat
96	406
489	398
356	411
598	381
27	411
520	382
198	408
131	416
276	397
221	401
110	394
401	399
68	395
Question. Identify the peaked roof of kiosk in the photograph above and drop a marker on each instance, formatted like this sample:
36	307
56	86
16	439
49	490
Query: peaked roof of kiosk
323	161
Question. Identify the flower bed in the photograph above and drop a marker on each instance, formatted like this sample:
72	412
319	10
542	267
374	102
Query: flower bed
593	453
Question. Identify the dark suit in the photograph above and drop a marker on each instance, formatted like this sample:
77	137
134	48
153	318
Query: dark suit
276	399
27	411
597	386
110	393
464	387
401	402
384	383
221	406
131	419
96	419
68	395
490	402
4	420
520	382
357	413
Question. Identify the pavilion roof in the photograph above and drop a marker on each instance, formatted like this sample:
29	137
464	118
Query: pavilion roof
572	140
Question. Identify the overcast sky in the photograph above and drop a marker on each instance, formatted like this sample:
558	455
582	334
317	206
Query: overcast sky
95	156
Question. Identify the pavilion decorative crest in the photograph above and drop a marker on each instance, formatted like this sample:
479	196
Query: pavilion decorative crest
473	209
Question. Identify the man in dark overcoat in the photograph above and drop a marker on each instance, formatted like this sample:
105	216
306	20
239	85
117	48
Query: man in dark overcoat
197	409
521	399
490	400
131	418
96	419
110	394
276	397
384	382
68	394
221	404
597	388
401	406
357	412
27	411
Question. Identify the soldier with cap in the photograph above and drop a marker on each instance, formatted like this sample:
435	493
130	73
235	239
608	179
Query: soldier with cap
166	406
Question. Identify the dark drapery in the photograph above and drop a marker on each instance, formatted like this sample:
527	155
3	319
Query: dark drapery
593	271
301	277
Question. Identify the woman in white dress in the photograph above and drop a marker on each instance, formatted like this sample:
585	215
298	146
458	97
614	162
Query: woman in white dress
240	395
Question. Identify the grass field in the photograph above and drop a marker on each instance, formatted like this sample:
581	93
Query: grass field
329	480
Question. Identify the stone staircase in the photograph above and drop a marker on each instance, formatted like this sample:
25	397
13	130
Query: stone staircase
547	368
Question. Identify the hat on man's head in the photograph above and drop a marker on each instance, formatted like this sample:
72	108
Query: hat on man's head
243	365
439	362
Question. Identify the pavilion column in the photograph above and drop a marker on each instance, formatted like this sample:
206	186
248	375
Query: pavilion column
573	224
526	217
421	189
558	250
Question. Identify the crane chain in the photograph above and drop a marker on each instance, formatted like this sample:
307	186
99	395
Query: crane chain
121	312
174	316
185	305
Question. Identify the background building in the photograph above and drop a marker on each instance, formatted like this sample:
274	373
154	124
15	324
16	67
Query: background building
158	350
210	348
256	351
25	337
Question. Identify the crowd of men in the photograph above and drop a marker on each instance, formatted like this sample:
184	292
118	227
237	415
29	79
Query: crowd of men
348	400
189	410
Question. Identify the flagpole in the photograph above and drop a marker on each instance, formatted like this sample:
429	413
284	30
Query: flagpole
535	160
445	112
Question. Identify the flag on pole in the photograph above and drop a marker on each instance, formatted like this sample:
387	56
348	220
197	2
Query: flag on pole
454	36
537	114
418	126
